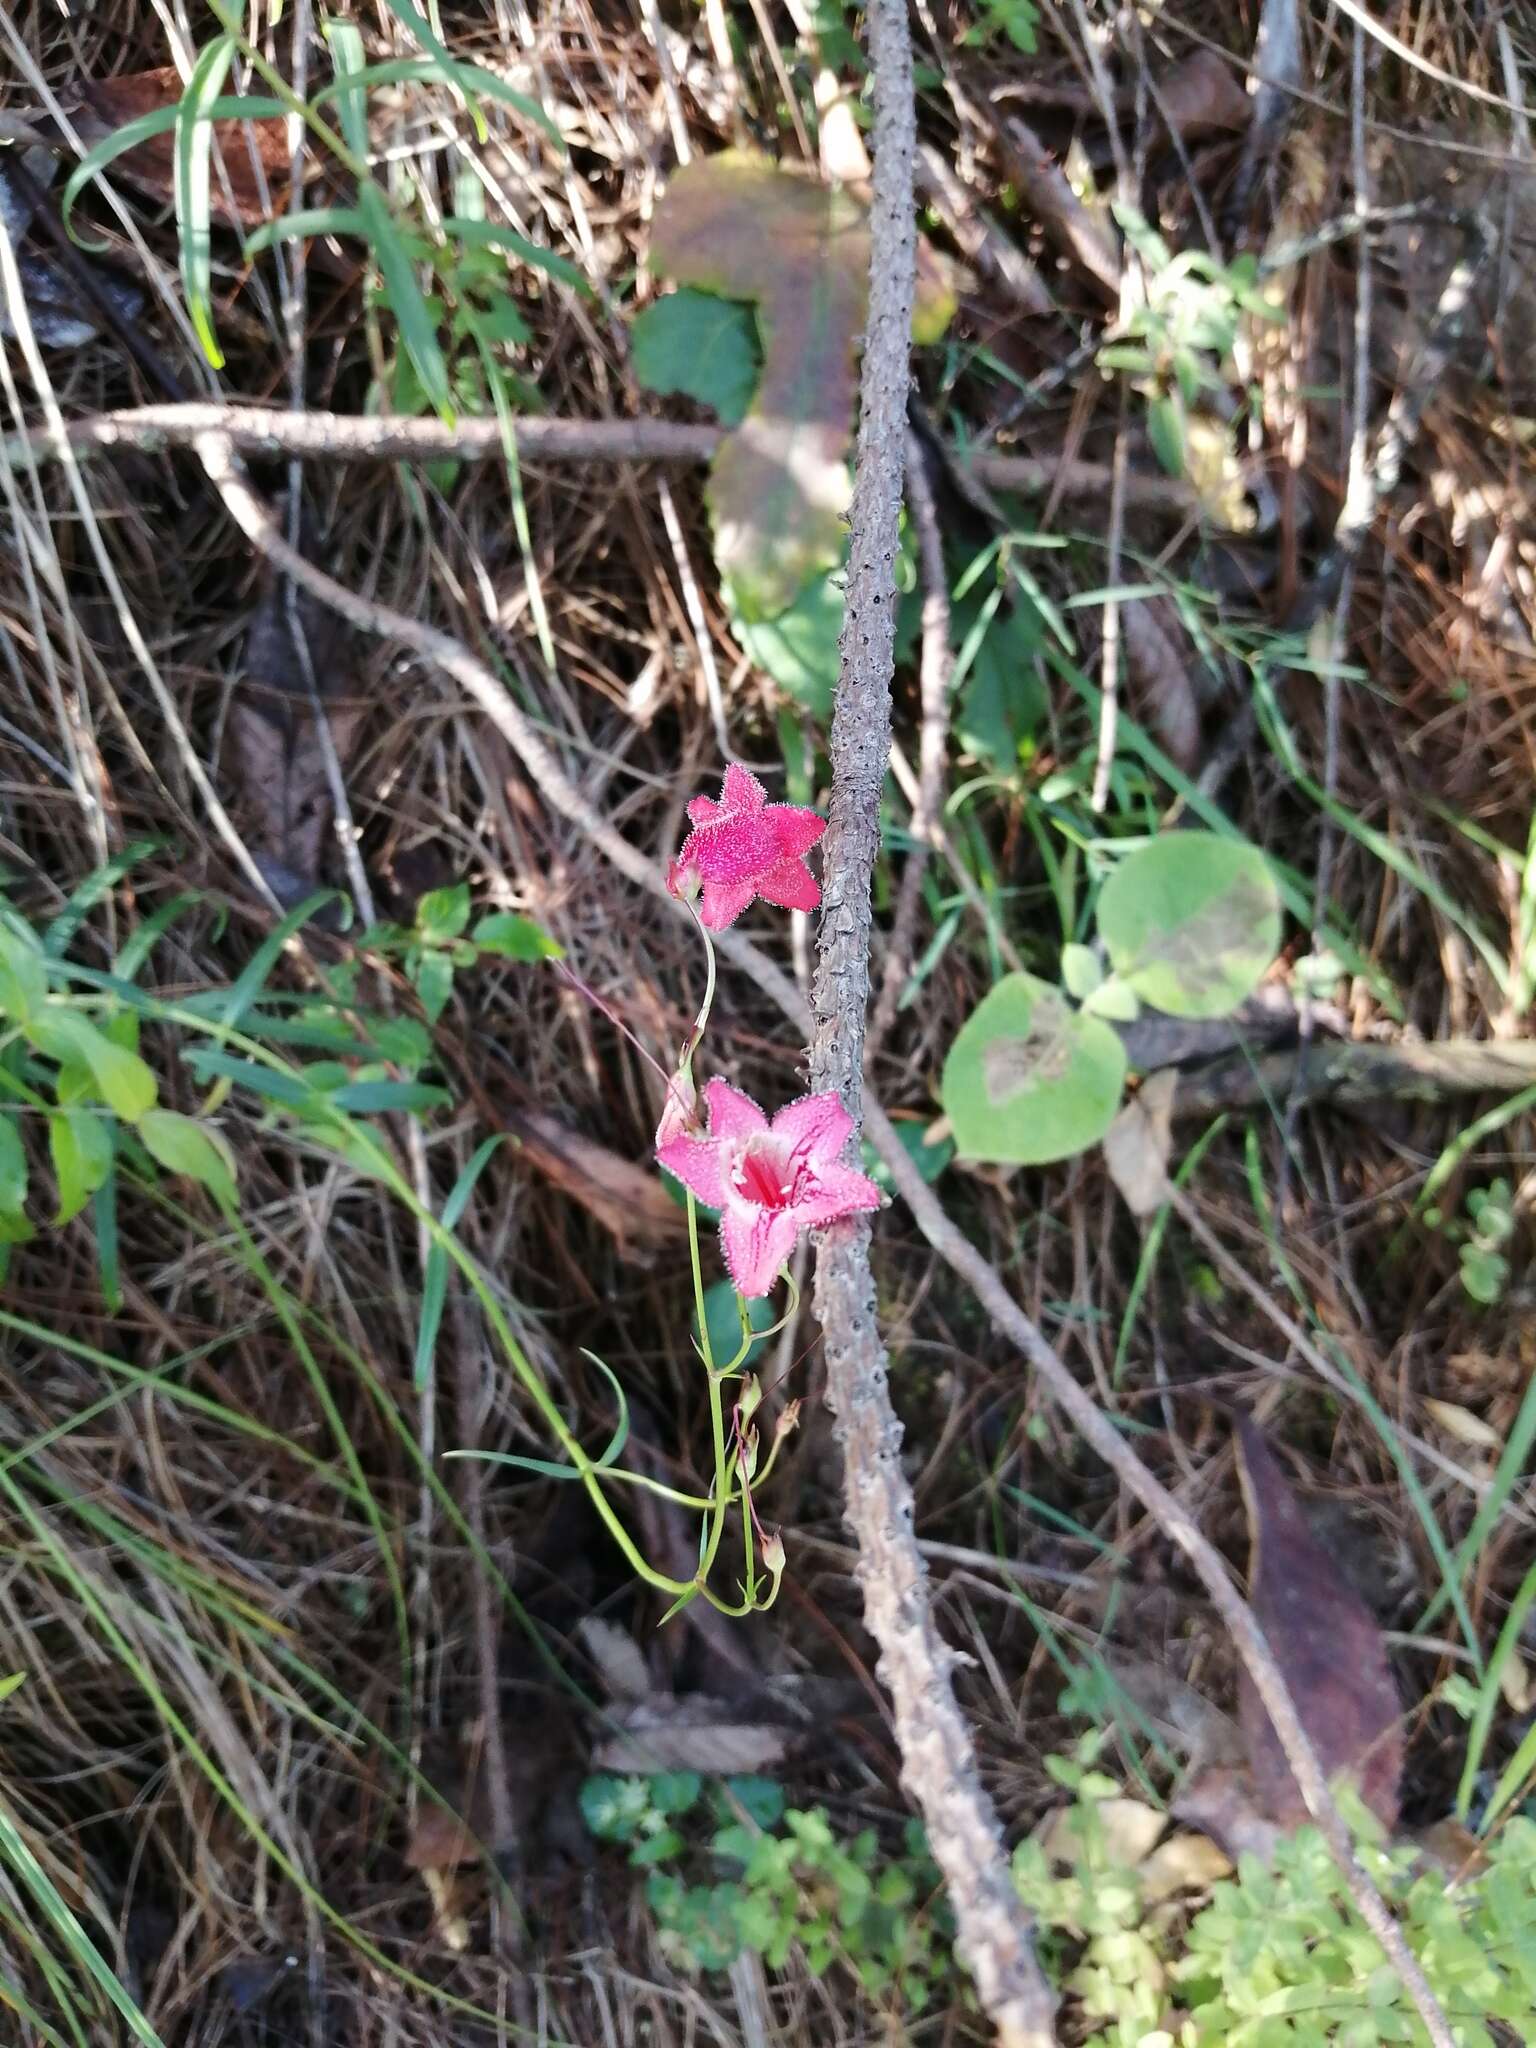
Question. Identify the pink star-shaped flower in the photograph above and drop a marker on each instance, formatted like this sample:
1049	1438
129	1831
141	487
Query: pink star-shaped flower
743	847
770	1181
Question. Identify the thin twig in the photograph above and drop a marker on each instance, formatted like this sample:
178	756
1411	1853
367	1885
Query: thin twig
556	788
992	1930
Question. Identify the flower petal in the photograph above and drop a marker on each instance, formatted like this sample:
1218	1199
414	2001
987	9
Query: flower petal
816	1127
756	1243
723	902
791	885
795	828
732	1115
704	810
698	1165
742	790
837	1191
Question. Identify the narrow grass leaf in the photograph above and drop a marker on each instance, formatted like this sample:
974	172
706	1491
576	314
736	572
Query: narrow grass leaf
547	1468
144	128
253	975
434	1284
309	223
192	188
491	235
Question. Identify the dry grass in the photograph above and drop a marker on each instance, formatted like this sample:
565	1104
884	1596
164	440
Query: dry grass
233	1651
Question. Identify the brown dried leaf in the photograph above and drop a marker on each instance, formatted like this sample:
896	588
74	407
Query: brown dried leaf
738	225
1184	1863
151	165
1464	1426
1138	1142
1223	1803
693	1734
1160	668
618	1660
277	756
1328	1647
1202	95
627	1199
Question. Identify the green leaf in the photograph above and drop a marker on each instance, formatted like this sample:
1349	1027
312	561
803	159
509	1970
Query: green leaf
1165	430
432	974
1081	972
183	1145
80	1142
515	938
367	1098
930	1160
471	77
761	1799
23	975
413	316
13	1168
310	223
676	1791
1002	700
798	647
123	1081
490	234
1114	999
701	347
1191	921
1029	1079
434	1282
443	913
193	153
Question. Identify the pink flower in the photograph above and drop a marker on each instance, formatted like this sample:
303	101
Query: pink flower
743	847
769	1181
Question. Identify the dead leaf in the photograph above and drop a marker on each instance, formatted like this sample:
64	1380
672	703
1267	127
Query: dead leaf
1202	95
691	1734
1515	1684
1138	1142
1127	1828
59	313
738	225
1160	661
627	1199
618	1660
1223	1803
1328	1647
278	758
1184	1863
151	165
1184	1718
1466	1427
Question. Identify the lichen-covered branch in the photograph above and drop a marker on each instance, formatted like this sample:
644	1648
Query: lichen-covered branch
938	1760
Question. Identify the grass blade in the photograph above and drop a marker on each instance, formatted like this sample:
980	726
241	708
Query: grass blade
434	1285
192	188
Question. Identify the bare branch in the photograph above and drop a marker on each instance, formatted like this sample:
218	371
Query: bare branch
351	437
992	1930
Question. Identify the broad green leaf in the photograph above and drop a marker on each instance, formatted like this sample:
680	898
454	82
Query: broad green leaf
929	1159
1080	971
1029	1078
432	973
798	646
193	153
701	347
443	913
183	1145
1191	921
737	225
1165	430
80	1141
515	938
13	1168
121	1078
23	975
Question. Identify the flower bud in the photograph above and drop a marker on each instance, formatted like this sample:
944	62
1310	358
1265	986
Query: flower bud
789	1419
750	1398
773	1555
680	1111
746	1456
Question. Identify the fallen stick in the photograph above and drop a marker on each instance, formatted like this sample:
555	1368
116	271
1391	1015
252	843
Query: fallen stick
256	430
1357	1076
